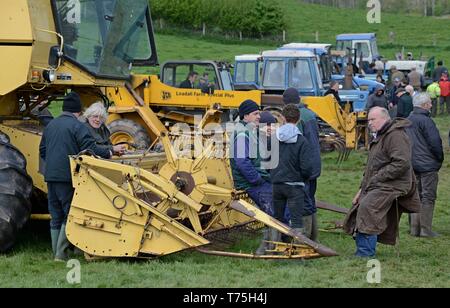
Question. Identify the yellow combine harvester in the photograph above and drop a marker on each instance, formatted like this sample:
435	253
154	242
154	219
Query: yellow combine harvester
145	205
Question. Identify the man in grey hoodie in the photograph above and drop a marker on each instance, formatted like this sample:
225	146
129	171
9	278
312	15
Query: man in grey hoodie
293	170
377	99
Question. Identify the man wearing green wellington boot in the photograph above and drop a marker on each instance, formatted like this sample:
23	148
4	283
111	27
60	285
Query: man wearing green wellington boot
64	136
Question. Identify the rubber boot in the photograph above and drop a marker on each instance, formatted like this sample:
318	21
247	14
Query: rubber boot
274	236
63	245
54	234
264	245
414	224
426	220
299	230
434	108
307	225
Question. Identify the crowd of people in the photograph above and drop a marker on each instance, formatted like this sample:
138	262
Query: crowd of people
405	156
401	175
285	190
400	89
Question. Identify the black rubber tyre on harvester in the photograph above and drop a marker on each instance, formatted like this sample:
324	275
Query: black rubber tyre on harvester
15	192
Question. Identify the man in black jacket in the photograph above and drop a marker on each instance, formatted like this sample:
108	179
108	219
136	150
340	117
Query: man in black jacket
293	170
309	127
64	136
405	103
334	90
189	83
427	158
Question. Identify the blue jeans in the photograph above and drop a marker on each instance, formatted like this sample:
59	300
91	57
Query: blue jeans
365	245
60	197
262	196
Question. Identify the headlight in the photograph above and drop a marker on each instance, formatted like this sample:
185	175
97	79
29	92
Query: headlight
49	75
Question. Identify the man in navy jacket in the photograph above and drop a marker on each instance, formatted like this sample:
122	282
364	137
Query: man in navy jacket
427	159
64	136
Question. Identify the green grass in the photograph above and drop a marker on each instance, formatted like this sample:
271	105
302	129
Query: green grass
420	263
416	33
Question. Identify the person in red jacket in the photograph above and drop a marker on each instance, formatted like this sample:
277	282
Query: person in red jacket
445	93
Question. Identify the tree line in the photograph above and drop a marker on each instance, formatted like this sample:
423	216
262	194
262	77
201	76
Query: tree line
423	7
252	18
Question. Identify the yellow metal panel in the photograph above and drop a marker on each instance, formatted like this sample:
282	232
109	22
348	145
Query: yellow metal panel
110	226
42	20
328	110
15	23
164	95
14	64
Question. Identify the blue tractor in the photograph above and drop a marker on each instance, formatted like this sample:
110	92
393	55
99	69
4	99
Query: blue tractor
364	44
329	69
276	70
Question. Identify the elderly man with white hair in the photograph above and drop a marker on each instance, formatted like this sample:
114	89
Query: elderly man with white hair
388	188
94	118
427	159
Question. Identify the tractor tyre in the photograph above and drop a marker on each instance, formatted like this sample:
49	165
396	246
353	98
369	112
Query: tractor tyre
15	192
128	131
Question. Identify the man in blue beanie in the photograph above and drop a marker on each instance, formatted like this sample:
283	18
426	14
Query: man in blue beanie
246	162
246	167
64	136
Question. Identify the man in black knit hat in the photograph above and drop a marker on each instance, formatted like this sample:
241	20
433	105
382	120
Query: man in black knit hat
248	174
64	136
247	165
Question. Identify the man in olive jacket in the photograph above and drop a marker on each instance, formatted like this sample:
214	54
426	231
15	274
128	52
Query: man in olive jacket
64	136
388	187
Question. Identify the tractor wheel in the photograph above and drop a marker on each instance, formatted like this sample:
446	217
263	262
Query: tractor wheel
130	132
15	192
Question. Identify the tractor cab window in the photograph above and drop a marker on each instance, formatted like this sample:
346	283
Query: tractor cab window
246	72
374	47
105	37
316	72
362	48
274	74
227	80
300	76
173	74
326	67
343	45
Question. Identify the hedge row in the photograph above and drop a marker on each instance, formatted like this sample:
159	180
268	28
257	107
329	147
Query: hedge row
254	18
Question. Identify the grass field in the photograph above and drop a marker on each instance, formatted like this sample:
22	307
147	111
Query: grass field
421	35
413	263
